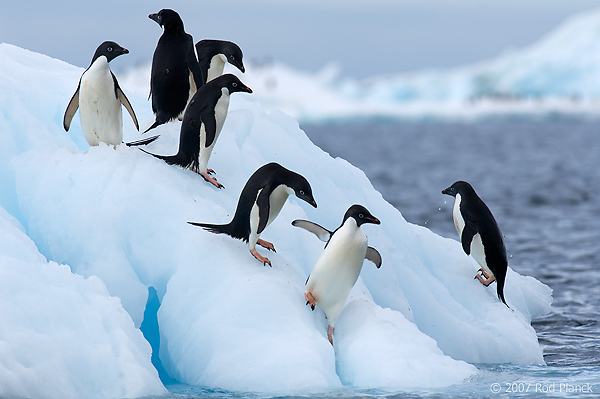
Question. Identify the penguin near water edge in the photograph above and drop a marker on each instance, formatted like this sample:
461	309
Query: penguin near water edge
175	73
260	201
202	124
336	270
99	98
480	235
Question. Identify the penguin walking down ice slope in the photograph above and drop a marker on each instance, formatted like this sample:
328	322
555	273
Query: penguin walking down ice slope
99	98
261	199
337	268
213	54
175	71
479	234
202	124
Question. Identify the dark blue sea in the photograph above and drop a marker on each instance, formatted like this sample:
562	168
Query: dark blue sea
541	180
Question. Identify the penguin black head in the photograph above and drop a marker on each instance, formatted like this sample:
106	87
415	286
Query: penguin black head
232	83
234	54
110	50
301	188
168	19
361	215
459	187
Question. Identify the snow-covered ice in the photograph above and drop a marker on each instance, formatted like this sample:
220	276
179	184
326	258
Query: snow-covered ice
117	220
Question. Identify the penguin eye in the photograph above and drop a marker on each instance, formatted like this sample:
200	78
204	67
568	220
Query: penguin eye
109	49
234	84
360	215
301	192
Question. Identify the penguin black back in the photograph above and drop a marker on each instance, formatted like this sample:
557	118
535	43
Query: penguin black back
207	49
201	110
268	177
478	219
173	60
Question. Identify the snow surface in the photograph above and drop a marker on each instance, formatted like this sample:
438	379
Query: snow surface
558	74
117	218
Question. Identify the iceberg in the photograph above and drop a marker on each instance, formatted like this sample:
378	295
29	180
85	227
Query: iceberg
118	219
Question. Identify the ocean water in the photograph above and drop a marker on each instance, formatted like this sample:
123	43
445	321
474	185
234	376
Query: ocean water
541	180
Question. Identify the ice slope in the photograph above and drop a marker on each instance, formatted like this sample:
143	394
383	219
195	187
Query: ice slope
63	336
559	73
226	321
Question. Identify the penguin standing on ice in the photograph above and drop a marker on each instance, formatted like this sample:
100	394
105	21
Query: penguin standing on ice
99	98
479	234
202	124
213	54
261	199
175	71
337	268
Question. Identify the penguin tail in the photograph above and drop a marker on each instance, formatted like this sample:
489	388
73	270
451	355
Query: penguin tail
214	228
176	159
155	124
500	291
142	141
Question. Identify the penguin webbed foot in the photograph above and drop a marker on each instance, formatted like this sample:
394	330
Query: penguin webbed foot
265	261
488	279
330	331
206	175
310	300
266	244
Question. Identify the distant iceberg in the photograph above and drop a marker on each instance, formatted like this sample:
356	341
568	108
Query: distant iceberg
558	74
117	220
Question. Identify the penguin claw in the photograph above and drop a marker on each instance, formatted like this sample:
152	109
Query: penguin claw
265	261
211	172
210	179
266	244
310	300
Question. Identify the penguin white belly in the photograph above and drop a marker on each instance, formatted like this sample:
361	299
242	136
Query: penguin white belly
276	201
99	107
337	269
478	253
221	109
459	222
217	64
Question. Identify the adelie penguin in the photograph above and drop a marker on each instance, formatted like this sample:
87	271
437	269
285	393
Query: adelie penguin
479	234
261	199
99	98
213	54
337	268
175	71
202	124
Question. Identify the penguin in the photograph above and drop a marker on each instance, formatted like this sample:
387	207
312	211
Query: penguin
175	73
99	98
260	201
213	54
479	234
337	268
202	124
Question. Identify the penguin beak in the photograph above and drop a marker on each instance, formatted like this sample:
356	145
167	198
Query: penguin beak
247	89
373	220
448	191
125	51
155	18
313	203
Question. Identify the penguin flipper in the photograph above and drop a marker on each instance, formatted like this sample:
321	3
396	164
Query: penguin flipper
374	256
71	109
466	238
314	228
263	209
210	127
121	96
